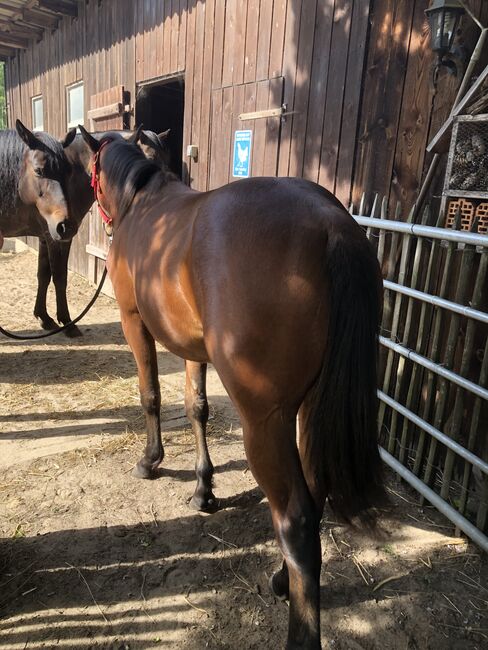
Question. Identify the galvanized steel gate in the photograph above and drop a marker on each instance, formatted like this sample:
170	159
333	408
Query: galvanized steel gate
434	364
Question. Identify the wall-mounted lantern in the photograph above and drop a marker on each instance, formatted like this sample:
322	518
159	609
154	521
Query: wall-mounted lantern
444	17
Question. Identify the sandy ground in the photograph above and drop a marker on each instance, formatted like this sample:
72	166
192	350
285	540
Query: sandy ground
92	558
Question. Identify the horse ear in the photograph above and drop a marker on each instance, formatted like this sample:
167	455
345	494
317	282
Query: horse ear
145	139
29	138
134	138
92	142
68	139
162	136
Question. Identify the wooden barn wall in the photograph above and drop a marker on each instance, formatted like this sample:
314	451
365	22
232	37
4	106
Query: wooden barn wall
355	77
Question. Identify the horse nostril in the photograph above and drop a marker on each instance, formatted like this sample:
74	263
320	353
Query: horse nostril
61	229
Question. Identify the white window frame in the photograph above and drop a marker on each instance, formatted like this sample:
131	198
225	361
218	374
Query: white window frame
74	123
37	127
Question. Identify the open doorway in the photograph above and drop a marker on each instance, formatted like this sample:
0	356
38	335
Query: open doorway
160	106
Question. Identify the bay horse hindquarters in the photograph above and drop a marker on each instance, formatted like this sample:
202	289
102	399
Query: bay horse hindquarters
273	282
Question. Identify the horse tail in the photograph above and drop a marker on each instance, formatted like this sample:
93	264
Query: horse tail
343	440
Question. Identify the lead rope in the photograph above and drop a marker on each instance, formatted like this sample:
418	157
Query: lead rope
107	223
19	337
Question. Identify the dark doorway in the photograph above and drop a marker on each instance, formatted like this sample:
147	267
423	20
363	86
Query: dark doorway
160	106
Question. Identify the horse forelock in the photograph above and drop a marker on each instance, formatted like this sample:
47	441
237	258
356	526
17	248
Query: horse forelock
56	160
127	171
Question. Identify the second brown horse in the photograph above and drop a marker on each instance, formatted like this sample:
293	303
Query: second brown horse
273	282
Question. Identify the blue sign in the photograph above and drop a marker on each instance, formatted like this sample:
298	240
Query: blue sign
241	167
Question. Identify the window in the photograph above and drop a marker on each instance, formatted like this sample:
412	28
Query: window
37	113
75	105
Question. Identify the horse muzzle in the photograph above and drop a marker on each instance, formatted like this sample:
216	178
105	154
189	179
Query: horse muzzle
63	230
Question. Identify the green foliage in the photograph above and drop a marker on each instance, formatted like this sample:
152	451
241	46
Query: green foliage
3	101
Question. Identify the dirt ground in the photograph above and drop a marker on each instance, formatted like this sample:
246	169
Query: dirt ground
92	558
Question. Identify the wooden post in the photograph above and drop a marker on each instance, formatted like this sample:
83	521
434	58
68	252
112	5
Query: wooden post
461	292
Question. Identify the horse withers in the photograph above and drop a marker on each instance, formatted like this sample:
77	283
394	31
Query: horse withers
273	282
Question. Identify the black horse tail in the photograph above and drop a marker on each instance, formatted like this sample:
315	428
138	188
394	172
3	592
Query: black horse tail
344	428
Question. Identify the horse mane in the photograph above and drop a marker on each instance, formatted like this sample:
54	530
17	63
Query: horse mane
11	156
128	171
12	150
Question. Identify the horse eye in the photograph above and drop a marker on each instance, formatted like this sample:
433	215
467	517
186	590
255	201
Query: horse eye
41	193
39	172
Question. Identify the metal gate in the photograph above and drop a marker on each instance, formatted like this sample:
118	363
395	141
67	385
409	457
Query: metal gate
434	364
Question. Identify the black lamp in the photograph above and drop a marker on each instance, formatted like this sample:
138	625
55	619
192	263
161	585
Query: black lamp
444	17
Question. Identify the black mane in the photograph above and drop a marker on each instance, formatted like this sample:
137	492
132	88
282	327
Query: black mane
128	170
11	155
12	150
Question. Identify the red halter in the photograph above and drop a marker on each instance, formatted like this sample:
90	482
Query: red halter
95	181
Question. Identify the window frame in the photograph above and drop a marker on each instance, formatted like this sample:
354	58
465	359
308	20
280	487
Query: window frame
74	123
34	100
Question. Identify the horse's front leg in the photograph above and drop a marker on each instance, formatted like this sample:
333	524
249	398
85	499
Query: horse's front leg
58	259
144	350
197	411
43	280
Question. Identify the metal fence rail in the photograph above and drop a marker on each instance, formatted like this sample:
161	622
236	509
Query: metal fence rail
434	364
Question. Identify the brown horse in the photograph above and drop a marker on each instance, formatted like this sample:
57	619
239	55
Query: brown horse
273	282
46	193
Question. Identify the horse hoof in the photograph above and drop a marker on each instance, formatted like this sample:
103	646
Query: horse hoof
202	504
279	590
47	323
73	332
141	471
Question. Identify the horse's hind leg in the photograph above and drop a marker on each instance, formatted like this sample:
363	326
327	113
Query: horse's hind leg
43	280
197	411
275	462
280	580
144	350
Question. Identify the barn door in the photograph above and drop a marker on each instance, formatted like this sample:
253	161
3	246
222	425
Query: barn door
108	112
254	107
108	109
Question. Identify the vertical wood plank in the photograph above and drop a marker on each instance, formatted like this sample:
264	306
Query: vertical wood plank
229	43
239	45
175	35
219	27
250	60
264	39
290	58
204	129
318	88
183	19
198	182
277	38
259	135
352	101
273	128
302	89
335	94
414	117
383	94
216	139
189	78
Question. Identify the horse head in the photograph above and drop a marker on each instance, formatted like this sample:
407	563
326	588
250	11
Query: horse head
122	169
44	178
155	147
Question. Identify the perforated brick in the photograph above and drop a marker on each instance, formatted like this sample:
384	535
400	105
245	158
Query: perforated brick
482	216
467	210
